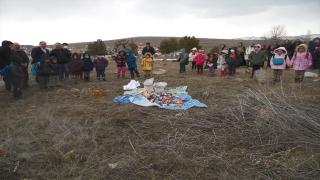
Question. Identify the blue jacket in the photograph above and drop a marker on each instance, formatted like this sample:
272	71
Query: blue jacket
131	59
87	63
5	73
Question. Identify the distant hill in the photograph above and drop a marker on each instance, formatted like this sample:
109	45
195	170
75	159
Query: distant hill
207	43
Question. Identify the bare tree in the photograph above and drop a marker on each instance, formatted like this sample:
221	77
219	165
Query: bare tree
307	38
277	32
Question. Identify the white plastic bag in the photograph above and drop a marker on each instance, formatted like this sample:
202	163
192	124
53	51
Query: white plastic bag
260	75
310	74
148	81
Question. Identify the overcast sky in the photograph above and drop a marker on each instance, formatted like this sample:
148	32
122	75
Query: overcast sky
31	21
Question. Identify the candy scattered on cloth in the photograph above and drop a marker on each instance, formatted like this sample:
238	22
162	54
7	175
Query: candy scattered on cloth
167	100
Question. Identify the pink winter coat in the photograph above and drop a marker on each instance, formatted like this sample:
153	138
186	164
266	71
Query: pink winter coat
283	55
200	59
301	60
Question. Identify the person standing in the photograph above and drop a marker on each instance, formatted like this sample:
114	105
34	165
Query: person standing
149	49
5	54
249	49
270	50
36	54
289	47
24	65
257	58
63	57
241	51
17	75
312	46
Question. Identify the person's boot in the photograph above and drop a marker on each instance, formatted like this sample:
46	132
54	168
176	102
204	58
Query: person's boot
296	80
98	78
300	80
138	75
104	78
201	72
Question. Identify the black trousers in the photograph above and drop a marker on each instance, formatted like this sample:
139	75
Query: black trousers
17	86
193	65
133	70
26	76
182	67
254	68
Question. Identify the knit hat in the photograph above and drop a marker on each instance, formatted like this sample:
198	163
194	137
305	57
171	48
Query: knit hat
225	51
16	60
194	49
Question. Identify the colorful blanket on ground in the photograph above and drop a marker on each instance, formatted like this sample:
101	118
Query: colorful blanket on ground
170	99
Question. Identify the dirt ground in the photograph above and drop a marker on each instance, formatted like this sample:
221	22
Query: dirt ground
248	131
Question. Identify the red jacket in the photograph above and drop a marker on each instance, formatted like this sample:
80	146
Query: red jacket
200	59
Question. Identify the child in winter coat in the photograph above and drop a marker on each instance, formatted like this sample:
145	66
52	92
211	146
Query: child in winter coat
279	62
87	66
6	77
232	59
132	64
256	58
192	55
75	68
120	59
212	63
183	58
100	63
200	59
222	64
43	71
146	64
17	76
54	76
300	62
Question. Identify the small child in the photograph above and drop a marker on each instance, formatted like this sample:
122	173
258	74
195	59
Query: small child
200	59
192	55
121	63
75	68
300	62
212	63
232	59
146	64
43	71
279	62
17	74
88	66
54	76
132	64
183	58
256	58
222	64
100	63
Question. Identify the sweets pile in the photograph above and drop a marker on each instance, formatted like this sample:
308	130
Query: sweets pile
163	99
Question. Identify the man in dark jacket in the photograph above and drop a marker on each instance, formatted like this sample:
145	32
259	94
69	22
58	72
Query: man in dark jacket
24	64
37	52
17	75
5	54
63	56
289	47
270	50
312	46
149	49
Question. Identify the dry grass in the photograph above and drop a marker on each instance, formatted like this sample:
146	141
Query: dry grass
248	131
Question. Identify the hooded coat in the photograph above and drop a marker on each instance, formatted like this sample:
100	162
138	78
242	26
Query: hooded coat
87	62
15	70
54	66
283	55
43	68
257	58
75	65
200	58
120	60
301	60
130	59
100	64
146	63
183	58
238	58
192	56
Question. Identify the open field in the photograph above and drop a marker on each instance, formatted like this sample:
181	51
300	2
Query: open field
249	131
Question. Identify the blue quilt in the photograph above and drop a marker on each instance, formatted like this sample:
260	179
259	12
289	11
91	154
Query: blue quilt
140	100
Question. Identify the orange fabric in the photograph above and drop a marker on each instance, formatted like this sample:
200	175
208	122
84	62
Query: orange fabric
232	55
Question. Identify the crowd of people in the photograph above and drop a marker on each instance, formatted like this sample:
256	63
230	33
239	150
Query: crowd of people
51	68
